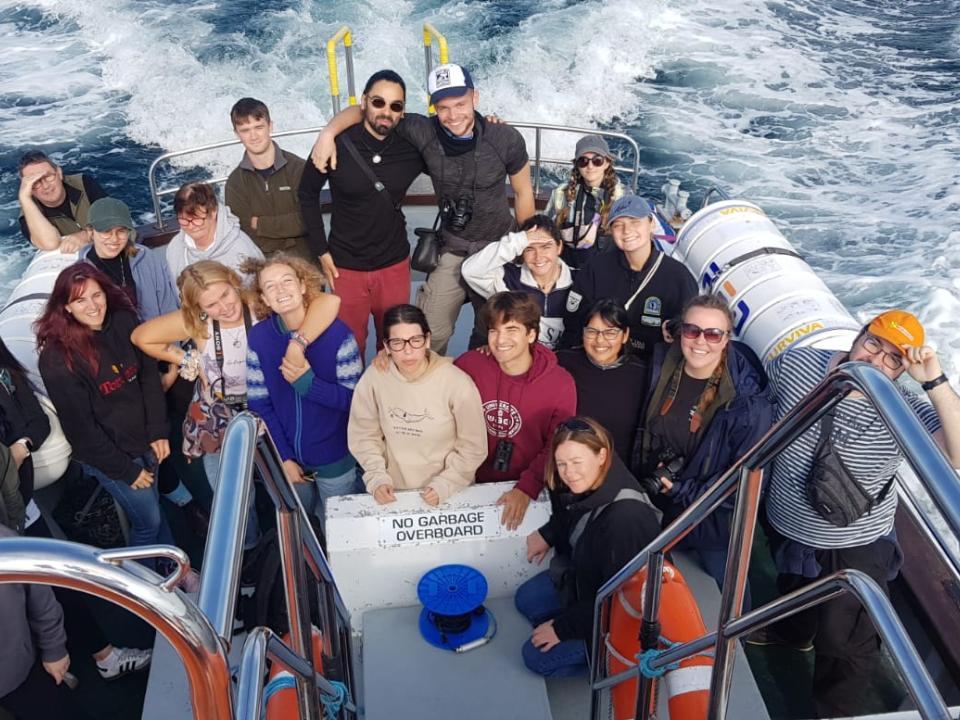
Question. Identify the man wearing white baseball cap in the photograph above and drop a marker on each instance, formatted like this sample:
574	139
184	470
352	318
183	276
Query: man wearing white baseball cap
468	160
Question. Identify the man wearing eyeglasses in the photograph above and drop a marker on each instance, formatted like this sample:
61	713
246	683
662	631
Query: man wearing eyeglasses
262	190
808	535
469	161
365	259
54	206
651	286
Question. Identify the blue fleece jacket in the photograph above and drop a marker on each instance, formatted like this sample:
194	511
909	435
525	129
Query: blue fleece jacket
308	420
156	293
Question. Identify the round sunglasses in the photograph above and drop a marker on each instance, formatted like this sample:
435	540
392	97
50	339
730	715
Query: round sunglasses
596	161
379	103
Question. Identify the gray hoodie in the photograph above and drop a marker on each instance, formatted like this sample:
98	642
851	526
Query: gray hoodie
30	619
230	246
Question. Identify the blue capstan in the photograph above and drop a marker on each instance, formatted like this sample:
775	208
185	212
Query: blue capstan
453	614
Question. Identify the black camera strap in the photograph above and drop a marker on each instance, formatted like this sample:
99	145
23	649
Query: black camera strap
218	354
368	171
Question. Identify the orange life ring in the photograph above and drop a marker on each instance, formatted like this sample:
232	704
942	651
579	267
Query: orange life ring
688	686
282	705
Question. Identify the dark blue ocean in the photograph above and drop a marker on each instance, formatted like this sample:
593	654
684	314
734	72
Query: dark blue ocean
842	118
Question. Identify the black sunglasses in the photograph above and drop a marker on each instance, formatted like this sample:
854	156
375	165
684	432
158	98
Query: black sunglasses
711	335
379	103
575	424
596	161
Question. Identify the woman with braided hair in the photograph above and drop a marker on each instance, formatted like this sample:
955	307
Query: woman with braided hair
709	403
580	207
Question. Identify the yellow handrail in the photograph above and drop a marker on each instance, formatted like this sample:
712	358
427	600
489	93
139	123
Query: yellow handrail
429	33
346	36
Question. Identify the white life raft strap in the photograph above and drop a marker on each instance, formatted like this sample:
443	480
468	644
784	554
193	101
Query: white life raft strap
730	264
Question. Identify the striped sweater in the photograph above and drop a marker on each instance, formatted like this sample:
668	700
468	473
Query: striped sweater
307	419
861	439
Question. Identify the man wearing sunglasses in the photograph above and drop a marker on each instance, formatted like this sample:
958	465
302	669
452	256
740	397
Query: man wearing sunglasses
806	545
54	206
651	286
365	258
468	160
262	190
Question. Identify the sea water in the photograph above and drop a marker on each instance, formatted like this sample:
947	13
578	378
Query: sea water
840	118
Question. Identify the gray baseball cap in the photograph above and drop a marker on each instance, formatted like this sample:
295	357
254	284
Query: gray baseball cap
630	206
108	213
594	144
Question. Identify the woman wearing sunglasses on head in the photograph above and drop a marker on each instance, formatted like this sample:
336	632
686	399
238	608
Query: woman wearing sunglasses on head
601	519
419	425
611	381
580	207
709	403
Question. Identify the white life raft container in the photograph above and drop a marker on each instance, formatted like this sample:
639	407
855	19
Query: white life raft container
733	249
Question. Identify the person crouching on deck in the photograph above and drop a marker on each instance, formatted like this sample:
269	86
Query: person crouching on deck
305	407
525	394
601	520
419	423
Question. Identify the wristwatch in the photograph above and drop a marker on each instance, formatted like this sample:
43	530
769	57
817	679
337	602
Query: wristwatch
931	384
27	444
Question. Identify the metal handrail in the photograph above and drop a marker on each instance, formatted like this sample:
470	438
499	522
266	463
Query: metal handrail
538	161
244	451
633	170
135	588
744	478
346	36
429	33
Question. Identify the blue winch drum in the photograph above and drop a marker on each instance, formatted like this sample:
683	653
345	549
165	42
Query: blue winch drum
453	613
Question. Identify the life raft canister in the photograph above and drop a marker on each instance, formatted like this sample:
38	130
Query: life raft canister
688	686
282	703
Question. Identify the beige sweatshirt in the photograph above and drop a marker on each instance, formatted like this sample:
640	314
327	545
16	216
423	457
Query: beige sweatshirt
428	432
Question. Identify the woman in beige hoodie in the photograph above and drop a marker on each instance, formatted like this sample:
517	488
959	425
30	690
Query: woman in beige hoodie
419	423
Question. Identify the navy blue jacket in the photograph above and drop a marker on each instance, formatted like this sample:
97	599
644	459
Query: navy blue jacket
744	411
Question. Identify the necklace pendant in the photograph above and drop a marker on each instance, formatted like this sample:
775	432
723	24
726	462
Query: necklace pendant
376	159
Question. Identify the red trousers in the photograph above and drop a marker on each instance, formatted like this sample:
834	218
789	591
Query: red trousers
372	292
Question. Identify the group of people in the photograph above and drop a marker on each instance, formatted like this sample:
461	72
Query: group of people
598	371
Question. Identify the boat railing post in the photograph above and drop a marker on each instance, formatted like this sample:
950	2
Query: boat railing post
742	529
650	629
537	161
154	193
429	33
342	34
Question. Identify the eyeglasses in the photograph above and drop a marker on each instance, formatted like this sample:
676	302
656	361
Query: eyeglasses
379	103
590	333
195	220
49	179
575	424
711	335
596	161
892	360
398	344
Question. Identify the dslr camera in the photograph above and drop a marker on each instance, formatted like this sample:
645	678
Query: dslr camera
457	213
668	468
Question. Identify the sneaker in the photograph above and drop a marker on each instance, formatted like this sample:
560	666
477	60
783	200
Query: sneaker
121	661
769	636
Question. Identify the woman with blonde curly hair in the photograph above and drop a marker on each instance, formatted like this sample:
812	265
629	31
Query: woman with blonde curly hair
580	207
305	407
207	340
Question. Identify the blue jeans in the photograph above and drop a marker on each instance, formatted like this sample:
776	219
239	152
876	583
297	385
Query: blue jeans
537	600
314	494
251	536
148	524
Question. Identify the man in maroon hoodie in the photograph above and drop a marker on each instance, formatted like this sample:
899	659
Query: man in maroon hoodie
525	395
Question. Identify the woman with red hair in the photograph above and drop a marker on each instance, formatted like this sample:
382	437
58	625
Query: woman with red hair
107	394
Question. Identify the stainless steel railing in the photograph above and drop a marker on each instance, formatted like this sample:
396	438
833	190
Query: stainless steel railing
744	479
114	576
243	453
632	170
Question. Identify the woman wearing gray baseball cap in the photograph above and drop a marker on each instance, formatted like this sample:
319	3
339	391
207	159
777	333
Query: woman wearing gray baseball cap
581	206
140	272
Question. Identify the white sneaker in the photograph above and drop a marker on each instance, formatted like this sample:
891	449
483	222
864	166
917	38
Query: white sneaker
121	661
